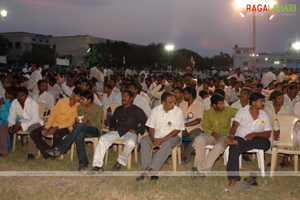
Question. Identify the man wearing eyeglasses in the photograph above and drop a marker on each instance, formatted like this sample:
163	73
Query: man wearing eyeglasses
165	126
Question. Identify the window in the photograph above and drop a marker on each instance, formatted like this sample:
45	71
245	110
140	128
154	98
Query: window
41	40
10	45
245	63
18	45
46	41
33	39
290	61
238	51
246	51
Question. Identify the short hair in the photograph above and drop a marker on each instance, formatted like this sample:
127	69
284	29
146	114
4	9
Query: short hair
136	86
130	93
215	98
292	87
259	85
192	91
41	81
291	69
88	94
148	79
284	69
236	82
246	89
202	93
77	90
113	79
165	95
22	90
219	91
276	84
108	86
179	88
11	90
274	94
125	84
254	96
88	83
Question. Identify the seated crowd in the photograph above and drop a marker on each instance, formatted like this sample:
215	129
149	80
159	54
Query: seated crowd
221	111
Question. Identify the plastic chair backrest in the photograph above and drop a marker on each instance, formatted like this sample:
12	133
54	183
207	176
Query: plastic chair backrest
287	125
112	106
42	109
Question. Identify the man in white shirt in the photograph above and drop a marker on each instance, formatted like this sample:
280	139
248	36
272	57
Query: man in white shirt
235	92
138	99
238	75
165	125
282	75
128	71
193	113
113	85
66	89
251	129
145	71
29	118
43	96
268	77
100	75
291	97
109	72
94	71
244	99
34	78
109	96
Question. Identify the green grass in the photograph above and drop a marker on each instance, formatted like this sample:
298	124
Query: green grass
88	187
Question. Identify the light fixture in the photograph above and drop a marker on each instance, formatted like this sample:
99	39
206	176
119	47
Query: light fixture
3	13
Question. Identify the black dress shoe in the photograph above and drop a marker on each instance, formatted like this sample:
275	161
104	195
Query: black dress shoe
116	167
154	178
141	177
30	157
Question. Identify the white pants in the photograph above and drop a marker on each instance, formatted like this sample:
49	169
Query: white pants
107	140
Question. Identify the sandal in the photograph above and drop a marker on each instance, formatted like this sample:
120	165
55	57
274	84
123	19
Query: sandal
141	177
53	152
196	173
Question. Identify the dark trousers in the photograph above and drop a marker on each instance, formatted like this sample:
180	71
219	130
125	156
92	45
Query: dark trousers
79	132
42	145
243	146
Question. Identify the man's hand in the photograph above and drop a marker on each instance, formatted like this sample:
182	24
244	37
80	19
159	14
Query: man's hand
44	132
230	141
250	136
2	101
185	131
60	79
84	120
52	130
76	120
132	131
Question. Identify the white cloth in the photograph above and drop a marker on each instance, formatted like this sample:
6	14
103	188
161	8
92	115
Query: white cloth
100	76
164	123
290	102
143	104
143	94
144	72
108	100
239	78
115	90
268	78
128	72
32	82
248	125
281	77
107	140
54	91
93	72
28	116
97	100
234	96
238	105
284	110
108	73
46	98
67	90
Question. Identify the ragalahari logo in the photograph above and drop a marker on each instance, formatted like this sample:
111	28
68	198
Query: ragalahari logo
261	9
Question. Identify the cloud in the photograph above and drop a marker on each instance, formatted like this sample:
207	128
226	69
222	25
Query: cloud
67	3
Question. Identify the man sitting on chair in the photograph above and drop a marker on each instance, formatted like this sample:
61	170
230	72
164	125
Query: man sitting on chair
59	124
216	126
89	125
251	129
126	122
165	125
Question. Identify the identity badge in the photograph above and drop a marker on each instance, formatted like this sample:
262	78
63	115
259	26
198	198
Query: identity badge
169	125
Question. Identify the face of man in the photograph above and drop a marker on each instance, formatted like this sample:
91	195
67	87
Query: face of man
33	67
105	90
126	99
186	96
220	106
84	101
289	72
205	86
177	94
259	89
42	87
6	83
122	88
169	103
278	101
259	104
244	96
21	96
279	87
138	79
132	89
76	97
237	85
84	86
112	83
293	93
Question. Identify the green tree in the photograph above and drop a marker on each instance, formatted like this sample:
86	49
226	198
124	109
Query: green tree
4	45
39	54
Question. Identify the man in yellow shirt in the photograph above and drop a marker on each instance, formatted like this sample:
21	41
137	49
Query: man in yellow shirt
291	77
59	124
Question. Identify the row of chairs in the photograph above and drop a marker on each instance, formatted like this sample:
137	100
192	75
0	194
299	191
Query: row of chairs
287	144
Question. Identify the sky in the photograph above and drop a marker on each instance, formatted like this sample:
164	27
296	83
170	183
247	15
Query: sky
207	27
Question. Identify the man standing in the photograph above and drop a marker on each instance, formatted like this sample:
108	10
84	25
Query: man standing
165	125
291	77
127	121
237	75
29	119
193	113
34	78
59	124
100	75
282	75
251	129
268	77
216	126
94	71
